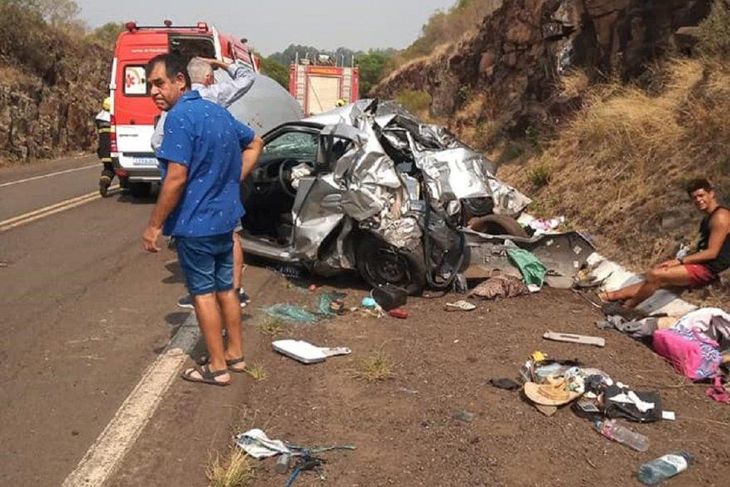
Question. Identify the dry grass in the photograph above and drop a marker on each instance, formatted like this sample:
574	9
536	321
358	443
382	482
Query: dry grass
375	367
618	169
272	327
257	371
237	470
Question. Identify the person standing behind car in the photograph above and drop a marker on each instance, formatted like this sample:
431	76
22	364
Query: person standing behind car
224	93
103	124
203	158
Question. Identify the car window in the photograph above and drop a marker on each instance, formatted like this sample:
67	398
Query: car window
301	146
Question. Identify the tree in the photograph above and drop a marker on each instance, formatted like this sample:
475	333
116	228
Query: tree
372	67
276	71
107	34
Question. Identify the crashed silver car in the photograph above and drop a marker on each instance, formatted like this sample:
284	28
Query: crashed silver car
370	188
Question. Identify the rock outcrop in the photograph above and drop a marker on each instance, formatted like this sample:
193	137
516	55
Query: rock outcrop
51	86
514	64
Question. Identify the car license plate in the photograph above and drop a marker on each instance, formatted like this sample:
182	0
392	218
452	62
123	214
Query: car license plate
144	161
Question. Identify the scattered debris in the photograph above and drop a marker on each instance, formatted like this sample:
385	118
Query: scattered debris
533	271
464	416
331	304
307	353
506	384
290	312
461	305
390	297
621	434
500	286
569	338
659	470
399	313
256	444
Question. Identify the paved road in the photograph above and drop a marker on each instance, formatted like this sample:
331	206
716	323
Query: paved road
84	312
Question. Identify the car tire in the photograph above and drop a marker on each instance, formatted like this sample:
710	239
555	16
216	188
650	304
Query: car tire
380	263
140	190
498	225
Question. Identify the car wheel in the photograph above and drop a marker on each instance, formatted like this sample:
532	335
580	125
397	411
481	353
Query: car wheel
498	225
379	263
140	190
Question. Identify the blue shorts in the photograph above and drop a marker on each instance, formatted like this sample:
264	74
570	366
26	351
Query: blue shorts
207	263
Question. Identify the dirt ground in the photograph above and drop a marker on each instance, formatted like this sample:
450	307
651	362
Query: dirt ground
404	428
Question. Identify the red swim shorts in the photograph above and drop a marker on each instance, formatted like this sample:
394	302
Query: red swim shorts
699	275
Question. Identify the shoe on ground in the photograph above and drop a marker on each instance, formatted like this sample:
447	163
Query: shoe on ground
243	297
186	302
104	183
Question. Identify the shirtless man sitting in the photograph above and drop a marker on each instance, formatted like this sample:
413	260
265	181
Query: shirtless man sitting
694	270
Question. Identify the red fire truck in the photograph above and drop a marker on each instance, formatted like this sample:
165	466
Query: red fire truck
319	88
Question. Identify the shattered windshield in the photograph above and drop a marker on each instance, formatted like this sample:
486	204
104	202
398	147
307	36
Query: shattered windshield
301	146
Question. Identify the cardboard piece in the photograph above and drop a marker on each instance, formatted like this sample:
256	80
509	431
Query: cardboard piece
570	338
307	353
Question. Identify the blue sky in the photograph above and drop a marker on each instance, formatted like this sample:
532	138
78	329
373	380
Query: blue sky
271	25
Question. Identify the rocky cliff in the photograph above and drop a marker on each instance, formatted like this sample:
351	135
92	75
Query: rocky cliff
51	86
507	75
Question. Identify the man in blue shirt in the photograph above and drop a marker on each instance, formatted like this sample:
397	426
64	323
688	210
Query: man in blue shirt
204	156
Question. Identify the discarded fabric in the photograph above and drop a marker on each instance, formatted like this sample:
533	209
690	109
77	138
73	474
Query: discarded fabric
255	443
290	312
533	271
500	286
691	352
506	384
460	306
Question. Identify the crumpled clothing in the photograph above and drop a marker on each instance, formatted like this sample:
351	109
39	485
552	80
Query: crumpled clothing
713	322
255	443
630	397
635	329
533	271
500	286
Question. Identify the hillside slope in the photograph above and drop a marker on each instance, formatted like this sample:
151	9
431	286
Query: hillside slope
51	86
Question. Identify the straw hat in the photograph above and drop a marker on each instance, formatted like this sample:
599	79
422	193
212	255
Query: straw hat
551	394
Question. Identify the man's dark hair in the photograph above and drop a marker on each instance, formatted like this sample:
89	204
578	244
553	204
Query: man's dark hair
697	184
174	64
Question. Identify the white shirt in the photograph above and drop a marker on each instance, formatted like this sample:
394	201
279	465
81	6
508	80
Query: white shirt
223	93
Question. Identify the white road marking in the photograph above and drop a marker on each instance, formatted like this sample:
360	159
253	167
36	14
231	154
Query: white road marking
106	454
49	175
34	215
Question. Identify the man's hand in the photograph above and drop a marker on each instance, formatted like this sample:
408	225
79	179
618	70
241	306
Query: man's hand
214	63
150	237
669	263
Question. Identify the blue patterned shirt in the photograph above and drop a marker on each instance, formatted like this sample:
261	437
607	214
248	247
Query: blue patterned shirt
206	139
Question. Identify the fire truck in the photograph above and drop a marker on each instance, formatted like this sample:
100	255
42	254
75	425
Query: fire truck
134	114
320	86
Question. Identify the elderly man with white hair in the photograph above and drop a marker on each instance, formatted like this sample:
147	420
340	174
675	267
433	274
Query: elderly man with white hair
223	93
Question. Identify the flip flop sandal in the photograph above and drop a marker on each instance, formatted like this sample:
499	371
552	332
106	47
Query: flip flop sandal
206	376
205	360
460	306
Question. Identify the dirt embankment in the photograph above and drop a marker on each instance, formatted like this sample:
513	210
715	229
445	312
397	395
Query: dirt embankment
600	110
51	86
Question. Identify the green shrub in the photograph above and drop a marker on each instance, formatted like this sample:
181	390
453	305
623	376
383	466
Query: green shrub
539	176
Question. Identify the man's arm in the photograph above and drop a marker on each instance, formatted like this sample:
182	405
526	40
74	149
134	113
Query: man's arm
228	91
719	228
250	155
172	188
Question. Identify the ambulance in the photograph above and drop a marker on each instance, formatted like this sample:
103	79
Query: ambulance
134	114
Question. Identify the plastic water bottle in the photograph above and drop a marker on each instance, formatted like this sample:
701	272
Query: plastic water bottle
614	431
656	471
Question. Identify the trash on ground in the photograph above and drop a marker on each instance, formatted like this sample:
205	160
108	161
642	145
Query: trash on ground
662	468
307	353
620	401
464	416
312	288
390	297
500	286
555	392
506	384
369	303
669	416
635	329
399	313
559	282
719	392
331	304
291	312
570	338
692	353
612	430
461	285
282	464
533	271
255	443
461	305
